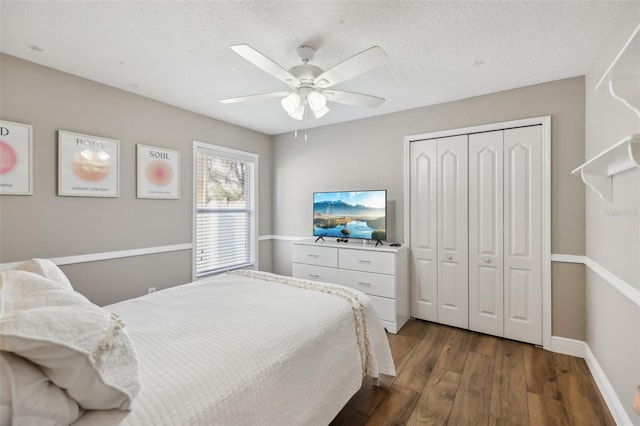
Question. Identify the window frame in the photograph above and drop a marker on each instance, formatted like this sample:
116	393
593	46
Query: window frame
228	153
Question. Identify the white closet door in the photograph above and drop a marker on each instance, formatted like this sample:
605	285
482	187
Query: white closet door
486	233
453	238
523	234
424	275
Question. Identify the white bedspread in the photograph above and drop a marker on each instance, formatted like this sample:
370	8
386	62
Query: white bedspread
234	350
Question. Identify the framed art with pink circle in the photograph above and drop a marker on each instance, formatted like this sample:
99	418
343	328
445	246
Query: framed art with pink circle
158	172
88	166
16	158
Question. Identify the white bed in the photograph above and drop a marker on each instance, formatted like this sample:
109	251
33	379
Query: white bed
248	348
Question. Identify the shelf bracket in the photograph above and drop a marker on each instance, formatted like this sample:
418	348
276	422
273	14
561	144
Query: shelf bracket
622	78
630	88
602	185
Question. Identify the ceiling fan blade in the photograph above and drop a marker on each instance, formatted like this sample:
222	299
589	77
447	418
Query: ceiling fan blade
349	68
352	98
254	97
265	64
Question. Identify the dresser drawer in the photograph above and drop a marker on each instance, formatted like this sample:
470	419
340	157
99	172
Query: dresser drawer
366	282
386	308
315	255
315	273
367	261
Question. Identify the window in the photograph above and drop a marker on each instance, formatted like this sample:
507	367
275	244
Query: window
225	209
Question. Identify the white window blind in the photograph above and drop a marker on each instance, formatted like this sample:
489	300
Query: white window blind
225	207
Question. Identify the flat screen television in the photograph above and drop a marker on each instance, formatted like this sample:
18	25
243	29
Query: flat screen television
351	214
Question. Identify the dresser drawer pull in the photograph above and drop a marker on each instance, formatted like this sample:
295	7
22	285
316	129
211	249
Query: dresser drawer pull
364	284
365	262
313	255
314	276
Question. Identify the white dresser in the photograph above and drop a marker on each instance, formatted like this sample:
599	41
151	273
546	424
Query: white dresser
380	272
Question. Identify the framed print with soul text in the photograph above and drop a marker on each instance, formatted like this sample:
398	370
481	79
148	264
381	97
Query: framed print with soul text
88	166
16	159
158	172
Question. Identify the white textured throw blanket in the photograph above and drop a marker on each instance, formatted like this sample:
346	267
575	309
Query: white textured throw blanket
249	348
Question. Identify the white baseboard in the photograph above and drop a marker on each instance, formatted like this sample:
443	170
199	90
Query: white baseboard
581	349
567	346
608	393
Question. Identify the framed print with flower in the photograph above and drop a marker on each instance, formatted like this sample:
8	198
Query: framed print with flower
16	159
158	172
88	166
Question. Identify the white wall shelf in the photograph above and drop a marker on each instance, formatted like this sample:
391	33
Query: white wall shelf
622	78
598	172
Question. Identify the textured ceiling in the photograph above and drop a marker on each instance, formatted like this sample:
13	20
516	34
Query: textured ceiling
178	52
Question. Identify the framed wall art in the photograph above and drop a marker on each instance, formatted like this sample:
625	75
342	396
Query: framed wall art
16	159
88	166
158	172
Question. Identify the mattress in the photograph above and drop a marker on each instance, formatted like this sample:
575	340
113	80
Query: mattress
248	348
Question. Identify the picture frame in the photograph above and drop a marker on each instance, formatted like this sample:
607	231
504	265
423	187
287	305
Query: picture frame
158	172
16	158
88	166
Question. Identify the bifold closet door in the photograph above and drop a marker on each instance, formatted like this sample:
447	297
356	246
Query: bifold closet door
523	234
476	232
453	238
505	233
424	234
486	233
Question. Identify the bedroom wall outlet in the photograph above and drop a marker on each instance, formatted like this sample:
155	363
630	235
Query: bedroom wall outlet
151	290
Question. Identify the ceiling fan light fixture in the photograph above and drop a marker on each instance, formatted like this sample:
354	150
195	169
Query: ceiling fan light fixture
317	101
298	114
321	112
291	103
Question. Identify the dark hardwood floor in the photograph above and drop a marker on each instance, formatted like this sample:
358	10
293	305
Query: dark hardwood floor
449	376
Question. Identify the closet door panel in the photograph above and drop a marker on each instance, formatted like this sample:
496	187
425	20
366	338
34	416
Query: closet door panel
523	234
424	275
453	245
486	233
519	307
485	301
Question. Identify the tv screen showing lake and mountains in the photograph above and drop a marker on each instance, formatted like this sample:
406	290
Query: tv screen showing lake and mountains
355	214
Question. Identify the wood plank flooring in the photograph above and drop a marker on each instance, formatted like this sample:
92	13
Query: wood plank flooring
449	376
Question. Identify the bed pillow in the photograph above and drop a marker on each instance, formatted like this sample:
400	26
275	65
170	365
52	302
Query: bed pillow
25	290
47	269
81	347
28	397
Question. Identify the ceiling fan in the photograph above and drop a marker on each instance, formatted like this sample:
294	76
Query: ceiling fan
310	85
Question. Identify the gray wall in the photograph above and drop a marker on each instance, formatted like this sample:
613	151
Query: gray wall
369	154
45	225
613	231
